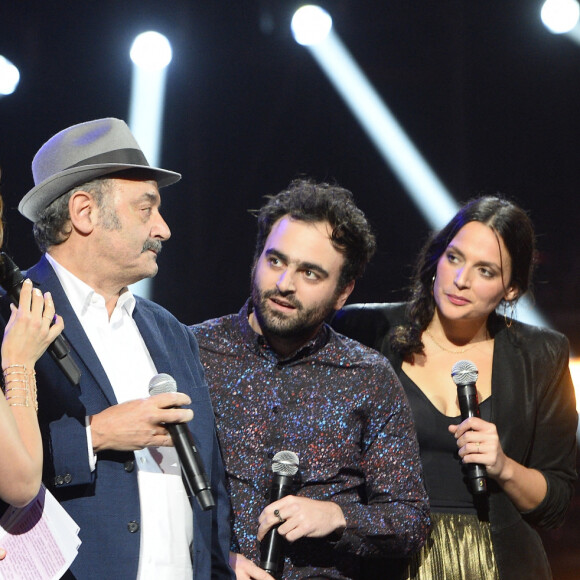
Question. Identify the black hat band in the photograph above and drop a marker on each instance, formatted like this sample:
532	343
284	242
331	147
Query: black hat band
118	156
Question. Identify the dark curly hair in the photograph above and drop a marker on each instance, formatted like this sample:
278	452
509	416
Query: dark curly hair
508	221
308	201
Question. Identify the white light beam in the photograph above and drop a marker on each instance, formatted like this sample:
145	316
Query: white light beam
431	197
151	54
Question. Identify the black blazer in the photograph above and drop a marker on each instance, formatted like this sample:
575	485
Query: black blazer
534	410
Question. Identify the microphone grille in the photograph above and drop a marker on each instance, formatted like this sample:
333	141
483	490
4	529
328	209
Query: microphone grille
162	383
464	372
285	463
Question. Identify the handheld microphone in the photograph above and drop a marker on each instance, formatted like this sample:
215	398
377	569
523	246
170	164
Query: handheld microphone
11	279
191	464
464	374
285	467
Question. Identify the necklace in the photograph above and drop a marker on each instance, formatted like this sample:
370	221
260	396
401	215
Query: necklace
460	351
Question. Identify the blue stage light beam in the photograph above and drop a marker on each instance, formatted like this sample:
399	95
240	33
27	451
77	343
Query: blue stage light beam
151	53
312	28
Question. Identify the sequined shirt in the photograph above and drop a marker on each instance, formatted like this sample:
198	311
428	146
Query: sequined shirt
339	406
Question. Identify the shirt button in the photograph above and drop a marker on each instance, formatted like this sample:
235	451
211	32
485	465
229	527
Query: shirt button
129	466
274	410
133	527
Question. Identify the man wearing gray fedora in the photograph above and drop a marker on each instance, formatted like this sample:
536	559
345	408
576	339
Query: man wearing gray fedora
108	457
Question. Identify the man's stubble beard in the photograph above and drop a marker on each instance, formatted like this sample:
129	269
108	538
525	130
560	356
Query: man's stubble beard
303	322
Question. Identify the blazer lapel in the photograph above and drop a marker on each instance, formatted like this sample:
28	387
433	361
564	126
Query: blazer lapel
509	380
43	276
152	336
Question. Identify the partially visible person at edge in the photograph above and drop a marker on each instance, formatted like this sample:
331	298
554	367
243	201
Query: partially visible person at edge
526	435
281	379
108	456
28	333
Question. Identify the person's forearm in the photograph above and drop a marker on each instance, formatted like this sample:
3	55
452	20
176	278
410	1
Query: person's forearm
525	487
21	455
31	328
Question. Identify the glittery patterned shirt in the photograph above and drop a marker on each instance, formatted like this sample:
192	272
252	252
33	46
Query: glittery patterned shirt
339	406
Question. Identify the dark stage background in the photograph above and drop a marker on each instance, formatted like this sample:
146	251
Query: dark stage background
487	94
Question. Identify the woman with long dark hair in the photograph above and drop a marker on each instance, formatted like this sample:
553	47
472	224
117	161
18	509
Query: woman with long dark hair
468	278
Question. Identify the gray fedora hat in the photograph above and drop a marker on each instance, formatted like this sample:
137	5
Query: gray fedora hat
80	154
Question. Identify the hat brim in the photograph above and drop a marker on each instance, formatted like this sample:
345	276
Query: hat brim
42	195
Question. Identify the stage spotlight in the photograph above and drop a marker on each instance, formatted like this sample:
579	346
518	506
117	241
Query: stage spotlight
9	76
151	54
430	196
310	25
151	50
560	16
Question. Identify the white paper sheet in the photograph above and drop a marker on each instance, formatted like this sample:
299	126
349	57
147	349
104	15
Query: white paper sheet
41	540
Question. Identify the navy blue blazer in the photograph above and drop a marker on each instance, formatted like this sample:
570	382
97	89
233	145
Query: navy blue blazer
105	502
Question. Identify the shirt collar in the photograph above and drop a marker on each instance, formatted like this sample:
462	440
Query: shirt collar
260	345
81	295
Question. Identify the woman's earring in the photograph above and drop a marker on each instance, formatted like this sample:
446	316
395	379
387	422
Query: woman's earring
509	321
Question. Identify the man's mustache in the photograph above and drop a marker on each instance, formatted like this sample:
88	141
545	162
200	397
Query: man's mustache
289	298
154	245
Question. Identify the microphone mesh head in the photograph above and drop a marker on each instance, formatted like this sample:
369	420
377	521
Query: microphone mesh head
285	463
464	372
162	383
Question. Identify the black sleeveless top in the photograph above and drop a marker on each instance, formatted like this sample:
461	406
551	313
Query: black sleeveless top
442	467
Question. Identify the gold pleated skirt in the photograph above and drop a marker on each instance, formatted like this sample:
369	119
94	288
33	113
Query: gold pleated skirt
458	548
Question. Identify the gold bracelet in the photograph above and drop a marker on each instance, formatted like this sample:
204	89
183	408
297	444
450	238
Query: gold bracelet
14	366
12	369
16	373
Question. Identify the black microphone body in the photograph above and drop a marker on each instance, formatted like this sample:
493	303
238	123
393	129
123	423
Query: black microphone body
271	547
189	457
11	279
464	374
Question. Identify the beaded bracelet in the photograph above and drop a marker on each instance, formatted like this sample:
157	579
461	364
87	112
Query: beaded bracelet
24	395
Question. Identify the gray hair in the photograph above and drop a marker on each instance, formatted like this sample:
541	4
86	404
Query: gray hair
53	227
